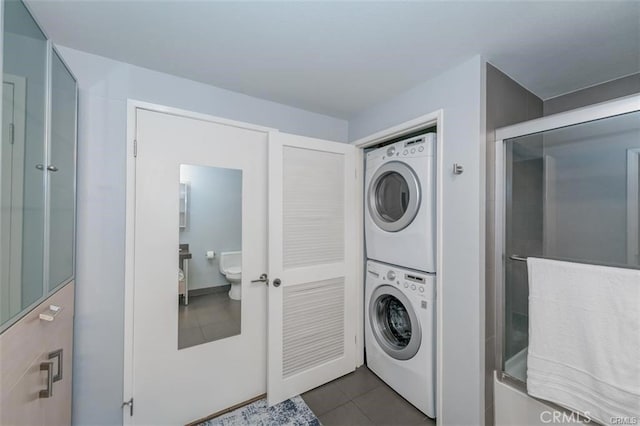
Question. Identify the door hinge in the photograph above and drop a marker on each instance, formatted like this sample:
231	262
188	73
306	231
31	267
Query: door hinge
11	133
135	147
130	404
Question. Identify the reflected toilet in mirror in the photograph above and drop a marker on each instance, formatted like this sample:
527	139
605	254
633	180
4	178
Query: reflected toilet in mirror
231	267
209	261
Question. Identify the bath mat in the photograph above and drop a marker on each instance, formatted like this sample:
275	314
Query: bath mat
292	412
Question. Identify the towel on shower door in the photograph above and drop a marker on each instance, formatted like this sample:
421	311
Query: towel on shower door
584	338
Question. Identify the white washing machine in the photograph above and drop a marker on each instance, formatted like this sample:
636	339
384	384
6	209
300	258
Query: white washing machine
400	330
400	218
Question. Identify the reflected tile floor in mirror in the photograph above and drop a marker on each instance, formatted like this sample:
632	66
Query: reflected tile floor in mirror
208	317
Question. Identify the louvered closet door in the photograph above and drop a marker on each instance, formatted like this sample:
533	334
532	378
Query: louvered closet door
313	252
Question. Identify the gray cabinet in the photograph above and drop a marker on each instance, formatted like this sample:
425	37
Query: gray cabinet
37	224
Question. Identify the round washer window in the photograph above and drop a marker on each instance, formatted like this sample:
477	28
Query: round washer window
394	323
393	196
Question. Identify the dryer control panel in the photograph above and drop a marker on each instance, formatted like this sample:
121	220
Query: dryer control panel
417	146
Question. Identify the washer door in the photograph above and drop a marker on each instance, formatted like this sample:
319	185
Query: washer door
394	323
394	196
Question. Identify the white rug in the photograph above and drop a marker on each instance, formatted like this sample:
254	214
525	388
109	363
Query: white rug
292	412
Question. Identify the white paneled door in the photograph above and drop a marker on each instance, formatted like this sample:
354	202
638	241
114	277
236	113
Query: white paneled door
299	225
313	261
173	386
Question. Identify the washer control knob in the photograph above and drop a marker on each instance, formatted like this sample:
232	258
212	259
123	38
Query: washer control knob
406	285
391	150
391	275
421	148
421	289
405	152
413	287
413	150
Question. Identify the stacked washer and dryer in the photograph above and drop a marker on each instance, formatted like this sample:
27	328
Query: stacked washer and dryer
400	291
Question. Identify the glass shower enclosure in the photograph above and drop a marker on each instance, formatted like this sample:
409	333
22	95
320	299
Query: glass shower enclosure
567	188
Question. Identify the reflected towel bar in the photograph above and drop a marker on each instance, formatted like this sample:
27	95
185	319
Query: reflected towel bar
518	258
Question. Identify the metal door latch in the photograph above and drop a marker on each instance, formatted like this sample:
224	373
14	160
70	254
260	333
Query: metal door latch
263	279
458	169
130	404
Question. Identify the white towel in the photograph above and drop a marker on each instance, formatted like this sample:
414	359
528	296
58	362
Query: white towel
584	338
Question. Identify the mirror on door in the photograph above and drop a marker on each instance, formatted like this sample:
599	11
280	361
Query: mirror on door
209	255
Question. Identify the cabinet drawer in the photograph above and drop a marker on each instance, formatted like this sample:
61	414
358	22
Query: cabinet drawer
22	345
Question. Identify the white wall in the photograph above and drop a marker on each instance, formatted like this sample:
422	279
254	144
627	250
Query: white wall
105	85
214	220
459	92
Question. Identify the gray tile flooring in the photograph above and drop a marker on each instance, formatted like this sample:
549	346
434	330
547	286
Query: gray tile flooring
361	398
207	317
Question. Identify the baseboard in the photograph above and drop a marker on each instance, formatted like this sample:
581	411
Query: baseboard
209	290
227	410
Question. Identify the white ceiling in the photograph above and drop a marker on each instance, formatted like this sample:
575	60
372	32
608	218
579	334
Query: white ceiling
340	57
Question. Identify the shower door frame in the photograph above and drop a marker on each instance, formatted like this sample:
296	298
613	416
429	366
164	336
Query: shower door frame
624	105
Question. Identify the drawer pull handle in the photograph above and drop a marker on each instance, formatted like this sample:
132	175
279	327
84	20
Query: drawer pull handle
57	354
48	367
50	314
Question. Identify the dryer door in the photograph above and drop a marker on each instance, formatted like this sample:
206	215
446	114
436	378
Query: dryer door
394	196
394	323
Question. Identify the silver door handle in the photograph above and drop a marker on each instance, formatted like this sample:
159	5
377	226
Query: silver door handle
263	279
48	367
52	168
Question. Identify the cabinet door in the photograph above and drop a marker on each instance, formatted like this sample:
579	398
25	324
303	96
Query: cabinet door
21	404
23	348
62	174
57	408
22	188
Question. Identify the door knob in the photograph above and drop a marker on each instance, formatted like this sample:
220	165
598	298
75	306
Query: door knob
263	279
277	282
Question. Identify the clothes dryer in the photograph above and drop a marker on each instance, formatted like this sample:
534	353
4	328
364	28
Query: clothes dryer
400	215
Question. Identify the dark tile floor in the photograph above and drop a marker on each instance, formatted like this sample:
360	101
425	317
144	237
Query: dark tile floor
208	317
361	398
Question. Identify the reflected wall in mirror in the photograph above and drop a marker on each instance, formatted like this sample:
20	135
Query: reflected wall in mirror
209	255
22	183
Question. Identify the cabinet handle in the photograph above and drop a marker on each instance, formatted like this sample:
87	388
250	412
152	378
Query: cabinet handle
52	168
50	314
57	354
48	367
